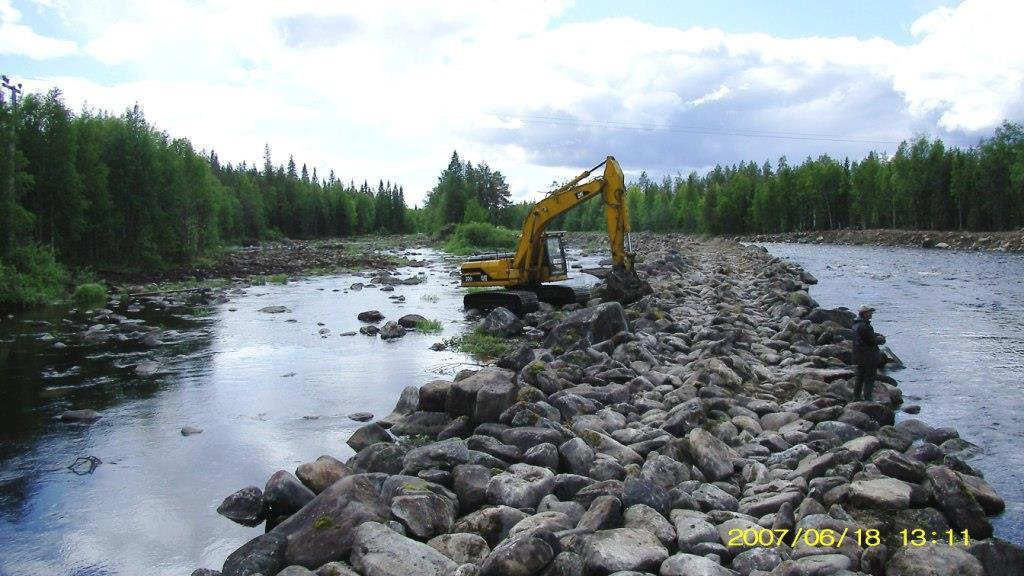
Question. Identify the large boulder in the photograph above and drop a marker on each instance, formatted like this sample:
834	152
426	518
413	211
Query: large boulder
367	435
482	396
881	494
421	423
524	554
501	322
380	457
263	554
691	565
933	560
956	502
589	326
424	513
391	330
284	495
318	475
380	551
408	402
410	320
244	507
323	530
462	548
521	486
493	523
712	456
369	316
609	551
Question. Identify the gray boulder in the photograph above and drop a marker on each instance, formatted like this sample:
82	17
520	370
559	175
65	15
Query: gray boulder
501	322
691	565
318	475
323	530
620	549
588	326
424	514
482	396
933	560
380	457
956	502
263	554
422	423
379	551
410	320
493	523
881	494
367	435
244	507
408	402
462	548
712	456
521	486
392	330
370	316
524	554
646	518
284	495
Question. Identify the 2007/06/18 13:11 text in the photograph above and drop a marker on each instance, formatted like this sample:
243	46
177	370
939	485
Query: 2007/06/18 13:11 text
829	538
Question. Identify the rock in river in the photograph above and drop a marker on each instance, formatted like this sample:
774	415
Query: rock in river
370	316
80	416
274	309
244	507
392	330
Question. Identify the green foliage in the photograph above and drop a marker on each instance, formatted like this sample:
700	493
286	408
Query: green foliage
90	294
30	276
278	279
478	237
480	344
429	326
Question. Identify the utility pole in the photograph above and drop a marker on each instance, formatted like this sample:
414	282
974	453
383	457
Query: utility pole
8	210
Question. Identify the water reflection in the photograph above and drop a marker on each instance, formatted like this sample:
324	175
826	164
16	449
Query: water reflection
270	393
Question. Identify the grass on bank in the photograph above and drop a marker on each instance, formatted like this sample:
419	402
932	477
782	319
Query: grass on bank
480	237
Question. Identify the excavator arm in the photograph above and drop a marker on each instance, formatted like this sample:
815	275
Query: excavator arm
611	187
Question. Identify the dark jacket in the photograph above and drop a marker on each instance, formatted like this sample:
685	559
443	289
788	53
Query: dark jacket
865	343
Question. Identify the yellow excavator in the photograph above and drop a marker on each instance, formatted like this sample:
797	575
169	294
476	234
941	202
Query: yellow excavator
540	256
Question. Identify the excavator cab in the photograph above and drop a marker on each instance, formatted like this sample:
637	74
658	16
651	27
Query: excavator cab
554	257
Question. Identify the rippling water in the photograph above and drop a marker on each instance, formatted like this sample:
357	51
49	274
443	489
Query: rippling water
270	394
957	320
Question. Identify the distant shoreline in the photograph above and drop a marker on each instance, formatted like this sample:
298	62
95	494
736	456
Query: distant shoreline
950	240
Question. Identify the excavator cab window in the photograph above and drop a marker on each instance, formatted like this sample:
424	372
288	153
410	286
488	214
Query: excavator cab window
555	254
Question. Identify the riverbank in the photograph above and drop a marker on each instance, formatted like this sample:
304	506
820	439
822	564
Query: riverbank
264	260
658	437
955	240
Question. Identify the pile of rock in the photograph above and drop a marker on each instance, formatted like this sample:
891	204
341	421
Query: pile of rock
642	440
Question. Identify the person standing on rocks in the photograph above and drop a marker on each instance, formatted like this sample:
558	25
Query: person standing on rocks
866	354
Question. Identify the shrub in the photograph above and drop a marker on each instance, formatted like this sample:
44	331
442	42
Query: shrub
480	236
90	294
31	277
428	326
278	279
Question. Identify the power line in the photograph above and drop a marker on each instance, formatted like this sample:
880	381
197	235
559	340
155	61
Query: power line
616	125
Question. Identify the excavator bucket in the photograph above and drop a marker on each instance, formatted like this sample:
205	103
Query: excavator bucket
625	286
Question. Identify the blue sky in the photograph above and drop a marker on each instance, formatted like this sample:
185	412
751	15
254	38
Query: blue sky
537	89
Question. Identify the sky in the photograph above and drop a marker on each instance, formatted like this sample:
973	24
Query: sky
539	90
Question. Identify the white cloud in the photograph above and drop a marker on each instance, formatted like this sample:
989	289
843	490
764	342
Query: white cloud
17	39
388	89
967	67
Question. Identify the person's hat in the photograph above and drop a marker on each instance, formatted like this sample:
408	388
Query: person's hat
864	309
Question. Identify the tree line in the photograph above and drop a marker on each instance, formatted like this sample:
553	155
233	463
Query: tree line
923	185
110	191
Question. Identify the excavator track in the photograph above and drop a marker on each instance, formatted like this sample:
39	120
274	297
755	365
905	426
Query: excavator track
519	302
561	295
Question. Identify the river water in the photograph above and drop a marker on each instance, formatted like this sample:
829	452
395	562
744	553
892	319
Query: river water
271	394
956	319
269	391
